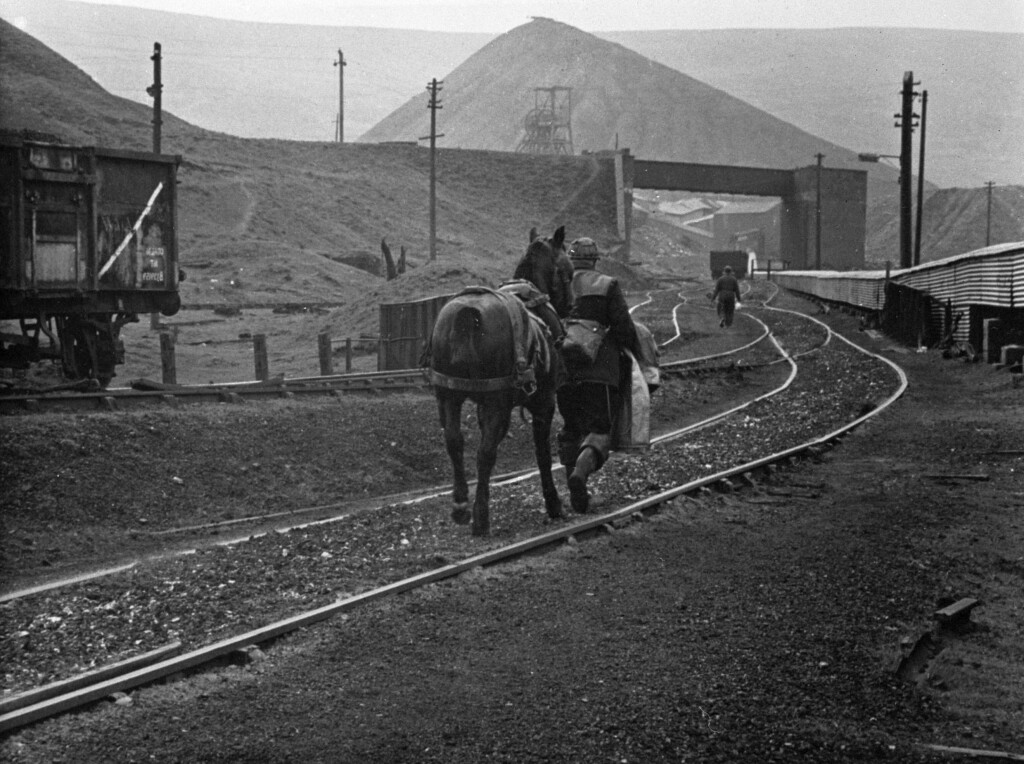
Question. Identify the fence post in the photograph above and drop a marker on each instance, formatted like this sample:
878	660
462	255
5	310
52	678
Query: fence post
167	363
324	346
259	349
348	355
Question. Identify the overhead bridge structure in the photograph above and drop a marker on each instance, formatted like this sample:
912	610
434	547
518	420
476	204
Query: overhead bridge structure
814	198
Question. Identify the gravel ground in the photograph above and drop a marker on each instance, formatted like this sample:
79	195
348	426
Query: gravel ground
759	625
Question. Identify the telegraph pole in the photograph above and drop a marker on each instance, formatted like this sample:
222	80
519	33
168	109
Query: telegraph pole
155	91
433	104
817	216
341	63
920	180
906	124
988	215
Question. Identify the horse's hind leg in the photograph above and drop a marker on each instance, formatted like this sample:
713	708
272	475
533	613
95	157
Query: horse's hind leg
450	410
494	423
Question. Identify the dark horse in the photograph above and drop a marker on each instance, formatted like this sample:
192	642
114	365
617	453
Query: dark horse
488	348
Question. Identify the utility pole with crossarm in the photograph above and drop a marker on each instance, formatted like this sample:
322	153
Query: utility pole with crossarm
905	121
433	87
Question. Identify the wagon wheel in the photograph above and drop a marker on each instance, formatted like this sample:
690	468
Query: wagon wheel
88	348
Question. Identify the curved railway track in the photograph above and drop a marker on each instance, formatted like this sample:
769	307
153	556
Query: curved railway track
160	634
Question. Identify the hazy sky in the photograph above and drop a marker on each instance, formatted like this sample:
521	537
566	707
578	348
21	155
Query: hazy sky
498	16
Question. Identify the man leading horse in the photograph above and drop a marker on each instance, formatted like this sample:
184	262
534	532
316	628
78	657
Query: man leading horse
590	398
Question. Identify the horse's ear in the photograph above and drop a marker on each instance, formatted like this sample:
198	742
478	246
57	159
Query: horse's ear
558	240
533	234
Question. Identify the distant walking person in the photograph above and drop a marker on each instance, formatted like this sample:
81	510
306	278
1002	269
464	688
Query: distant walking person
591	398
726	296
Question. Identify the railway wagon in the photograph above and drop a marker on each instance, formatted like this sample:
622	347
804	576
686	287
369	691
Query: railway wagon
88	241
736	258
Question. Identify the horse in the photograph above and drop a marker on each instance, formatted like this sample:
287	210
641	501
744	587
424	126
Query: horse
486	347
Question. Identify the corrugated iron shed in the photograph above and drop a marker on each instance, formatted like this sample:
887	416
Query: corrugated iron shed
979	284
990	276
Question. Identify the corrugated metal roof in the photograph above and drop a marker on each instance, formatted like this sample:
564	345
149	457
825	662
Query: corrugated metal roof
864	289
996	249
989	276
992	276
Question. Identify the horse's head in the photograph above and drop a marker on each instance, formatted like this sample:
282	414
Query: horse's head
556	241
537	265
547	265
541	254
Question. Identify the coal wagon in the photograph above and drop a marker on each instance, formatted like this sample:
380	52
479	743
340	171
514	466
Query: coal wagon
88	241
735	258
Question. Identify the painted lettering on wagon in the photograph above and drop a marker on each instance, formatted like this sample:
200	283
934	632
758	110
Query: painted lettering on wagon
153	266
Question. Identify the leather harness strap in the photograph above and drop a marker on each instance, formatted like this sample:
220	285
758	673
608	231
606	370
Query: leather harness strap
522	374
491	385
522	377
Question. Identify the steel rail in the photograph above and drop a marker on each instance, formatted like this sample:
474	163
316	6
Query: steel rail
231	392
415	497
52	706
430	493
348	509
723	415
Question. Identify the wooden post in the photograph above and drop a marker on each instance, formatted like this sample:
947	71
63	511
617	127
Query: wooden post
154	321
348	355
768	277
170	372
259	350
389	261
324	345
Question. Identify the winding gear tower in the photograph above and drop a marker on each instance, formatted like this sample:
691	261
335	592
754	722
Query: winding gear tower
549	124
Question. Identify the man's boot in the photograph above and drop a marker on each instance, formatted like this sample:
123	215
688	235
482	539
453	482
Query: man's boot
586	463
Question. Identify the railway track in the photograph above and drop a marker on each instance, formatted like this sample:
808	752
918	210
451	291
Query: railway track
149	393
742	444
81	398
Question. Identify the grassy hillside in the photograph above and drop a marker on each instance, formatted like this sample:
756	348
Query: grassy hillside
959	220
268	221
271	221
250	80
279	81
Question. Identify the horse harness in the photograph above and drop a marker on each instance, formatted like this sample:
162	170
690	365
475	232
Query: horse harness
523	376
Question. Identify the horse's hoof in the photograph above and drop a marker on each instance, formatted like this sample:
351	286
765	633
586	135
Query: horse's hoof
461	513
556	510
578	494
481	530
